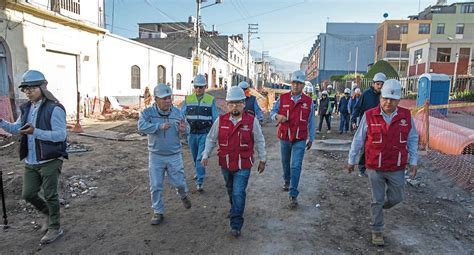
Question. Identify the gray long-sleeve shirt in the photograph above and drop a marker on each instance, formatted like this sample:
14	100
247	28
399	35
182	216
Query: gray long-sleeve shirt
259	140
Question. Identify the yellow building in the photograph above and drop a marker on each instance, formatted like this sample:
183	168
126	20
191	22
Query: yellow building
392	37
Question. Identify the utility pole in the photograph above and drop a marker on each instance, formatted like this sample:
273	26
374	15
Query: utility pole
253	29
356	59
197	60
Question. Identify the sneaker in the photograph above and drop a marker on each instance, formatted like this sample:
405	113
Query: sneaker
157	219
186	202
329	131
377	239
293	202
318	132
235	232
363	174
51	235
286	186
340	132
195	177
199	188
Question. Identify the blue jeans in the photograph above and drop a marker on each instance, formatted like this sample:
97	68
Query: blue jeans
236	183
292	154
173	165
344	122
197	143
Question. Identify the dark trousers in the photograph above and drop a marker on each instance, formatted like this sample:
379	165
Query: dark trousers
326	117
43	176
344	122
362	161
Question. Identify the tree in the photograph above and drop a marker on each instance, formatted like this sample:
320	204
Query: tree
383	67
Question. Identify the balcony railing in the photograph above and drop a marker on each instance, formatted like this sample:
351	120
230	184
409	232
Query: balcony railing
396	54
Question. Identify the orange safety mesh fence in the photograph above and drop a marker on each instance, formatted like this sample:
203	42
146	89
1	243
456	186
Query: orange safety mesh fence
446	132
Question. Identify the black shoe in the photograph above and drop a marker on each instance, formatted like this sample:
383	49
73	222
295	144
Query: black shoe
293	202
186	202
157	219
286	186
235	232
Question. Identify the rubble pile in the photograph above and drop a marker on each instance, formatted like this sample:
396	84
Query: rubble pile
78	186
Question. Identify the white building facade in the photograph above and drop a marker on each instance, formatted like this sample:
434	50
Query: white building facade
77	55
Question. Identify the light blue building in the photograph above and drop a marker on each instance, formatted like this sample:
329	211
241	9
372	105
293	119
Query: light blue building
338	50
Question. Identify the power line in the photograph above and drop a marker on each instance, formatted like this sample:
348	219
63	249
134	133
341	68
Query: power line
263	13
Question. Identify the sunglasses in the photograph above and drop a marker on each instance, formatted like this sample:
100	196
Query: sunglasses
199	87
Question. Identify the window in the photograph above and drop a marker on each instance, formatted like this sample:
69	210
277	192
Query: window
404	29
418	55
424	29
161	74
135	77
464	53
440	29
443	55
467	8
459	28
178	81
73	6
395	47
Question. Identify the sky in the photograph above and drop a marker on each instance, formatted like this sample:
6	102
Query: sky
287	29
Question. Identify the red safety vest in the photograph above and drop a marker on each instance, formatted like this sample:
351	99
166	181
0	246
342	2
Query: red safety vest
296	127
235	142
386	144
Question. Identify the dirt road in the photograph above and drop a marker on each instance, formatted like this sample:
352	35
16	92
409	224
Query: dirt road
113	215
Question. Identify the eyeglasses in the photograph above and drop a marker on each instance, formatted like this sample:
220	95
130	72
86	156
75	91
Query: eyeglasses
28	89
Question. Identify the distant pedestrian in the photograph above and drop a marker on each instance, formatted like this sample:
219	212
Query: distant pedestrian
236	132
344	111
294	113
251	103
42	127
352	103
200	111
164	123
369	99
388	134
324	111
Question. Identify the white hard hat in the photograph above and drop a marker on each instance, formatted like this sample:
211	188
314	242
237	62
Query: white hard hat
379	77
392	89
357	90
244	85
347	91
329	86
161	90
298	76
32	78
324	92
317	87
309	90
200	80
235	93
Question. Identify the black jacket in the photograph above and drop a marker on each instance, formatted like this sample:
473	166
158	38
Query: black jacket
368	100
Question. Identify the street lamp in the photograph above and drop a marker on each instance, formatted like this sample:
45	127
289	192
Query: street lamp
197	60
455	62
400	51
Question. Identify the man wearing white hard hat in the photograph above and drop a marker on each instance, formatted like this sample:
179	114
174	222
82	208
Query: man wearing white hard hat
344	111
251	104
352	103
294	112
391	142
324	112
236	132
201	111
164	124
42	130
369	99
